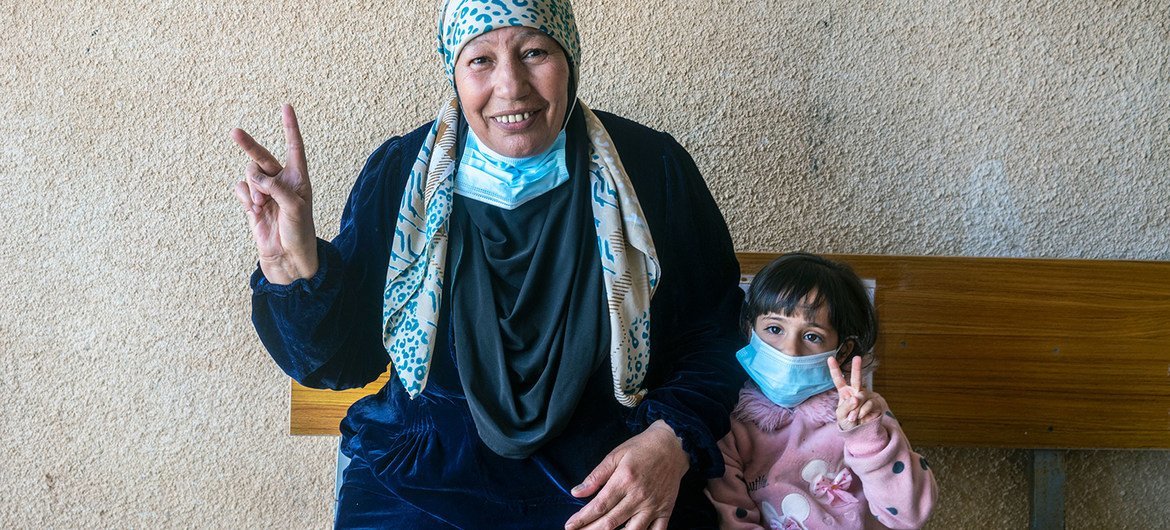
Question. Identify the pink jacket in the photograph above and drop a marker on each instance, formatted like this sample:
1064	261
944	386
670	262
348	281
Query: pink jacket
796	469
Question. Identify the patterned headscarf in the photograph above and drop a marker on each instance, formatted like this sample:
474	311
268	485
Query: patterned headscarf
463	20
418	255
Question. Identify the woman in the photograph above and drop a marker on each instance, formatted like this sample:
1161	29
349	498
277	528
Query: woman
506	262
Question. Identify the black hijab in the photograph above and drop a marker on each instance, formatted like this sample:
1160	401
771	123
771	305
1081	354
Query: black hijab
528	307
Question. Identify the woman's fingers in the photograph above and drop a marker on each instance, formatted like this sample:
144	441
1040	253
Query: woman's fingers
294	145
595	511
264	186
640	521
640	476
252	176
264	159
623	510
243	194
597	478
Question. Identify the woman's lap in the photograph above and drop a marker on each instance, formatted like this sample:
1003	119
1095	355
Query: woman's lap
364	503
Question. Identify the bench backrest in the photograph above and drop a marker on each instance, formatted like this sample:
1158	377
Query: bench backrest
988	352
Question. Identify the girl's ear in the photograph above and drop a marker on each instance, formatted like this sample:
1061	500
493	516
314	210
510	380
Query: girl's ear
845	351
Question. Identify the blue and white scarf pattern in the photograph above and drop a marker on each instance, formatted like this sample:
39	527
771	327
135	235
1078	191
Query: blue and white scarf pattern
418	254
460	21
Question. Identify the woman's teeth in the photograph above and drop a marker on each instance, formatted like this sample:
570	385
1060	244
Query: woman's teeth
513	118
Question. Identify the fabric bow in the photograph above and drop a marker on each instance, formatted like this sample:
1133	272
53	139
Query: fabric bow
790	524
835	490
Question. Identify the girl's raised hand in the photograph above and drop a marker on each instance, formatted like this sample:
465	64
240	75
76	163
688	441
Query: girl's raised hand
855	406
278	201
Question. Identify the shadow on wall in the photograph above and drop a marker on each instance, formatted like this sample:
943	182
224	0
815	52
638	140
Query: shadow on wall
991	219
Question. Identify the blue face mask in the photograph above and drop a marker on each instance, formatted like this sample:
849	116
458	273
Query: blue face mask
505	182
786	380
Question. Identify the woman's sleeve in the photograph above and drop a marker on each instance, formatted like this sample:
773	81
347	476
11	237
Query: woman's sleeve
897	482
326	331
694	316
729	493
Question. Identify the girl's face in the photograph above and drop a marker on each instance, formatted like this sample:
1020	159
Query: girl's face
799	334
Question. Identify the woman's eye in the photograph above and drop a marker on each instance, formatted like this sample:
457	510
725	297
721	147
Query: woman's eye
476	61
534	53
813	338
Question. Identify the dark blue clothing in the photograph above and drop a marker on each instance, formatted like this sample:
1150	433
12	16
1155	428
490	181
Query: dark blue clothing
326	332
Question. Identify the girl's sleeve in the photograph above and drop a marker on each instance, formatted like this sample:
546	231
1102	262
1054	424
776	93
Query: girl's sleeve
326	331
729	493
897	482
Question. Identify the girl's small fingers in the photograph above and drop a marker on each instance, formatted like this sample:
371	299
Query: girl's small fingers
846	409
867	408
855	373
835	373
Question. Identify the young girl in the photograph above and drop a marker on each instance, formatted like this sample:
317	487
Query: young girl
808	449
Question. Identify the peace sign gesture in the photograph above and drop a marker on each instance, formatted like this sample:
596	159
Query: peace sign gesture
278	201
855	406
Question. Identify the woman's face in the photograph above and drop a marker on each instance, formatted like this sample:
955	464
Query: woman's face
513	84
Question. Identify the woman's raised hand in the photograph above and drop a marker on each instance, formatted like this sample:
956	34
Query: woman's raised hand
855	406
279	204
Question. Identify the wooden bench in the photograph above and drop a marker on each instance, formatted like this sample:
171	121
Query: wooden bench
1036	354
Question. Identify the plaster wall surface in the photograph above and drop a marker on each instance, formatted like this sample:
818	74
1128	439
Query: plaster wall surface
136	394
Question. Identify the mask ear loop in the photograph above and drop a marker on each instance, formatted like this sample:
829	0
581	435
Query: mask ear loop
572	94
852	342
572	108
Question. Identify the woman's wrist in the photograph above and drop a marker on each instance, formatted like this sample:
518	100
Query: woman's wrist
672	440
283	270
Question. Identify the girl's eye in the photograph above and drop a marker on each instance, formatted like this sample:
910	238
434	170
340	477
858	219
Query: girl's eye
813	338
775	330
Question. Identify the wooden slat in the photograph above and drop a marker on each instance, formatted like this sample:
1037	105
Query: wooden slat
988	352
1023	353
313	411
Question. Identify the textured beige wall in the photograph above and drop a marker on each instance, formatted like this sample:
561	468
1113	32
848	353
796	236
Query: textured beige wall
136	394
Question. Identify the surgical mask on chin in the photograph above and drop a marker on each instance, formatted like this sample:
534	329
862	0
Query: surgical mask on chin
505	182
786	380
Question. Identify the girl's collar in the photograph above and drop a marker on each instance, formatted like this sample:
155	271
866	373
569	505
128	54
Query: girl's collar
756	408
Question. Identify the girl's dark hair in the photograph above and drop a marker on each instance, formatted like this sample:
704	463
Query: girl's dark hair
784	287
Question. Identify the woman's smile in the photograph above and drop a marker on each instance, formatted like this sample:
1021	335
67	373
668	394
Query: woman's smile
513	119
